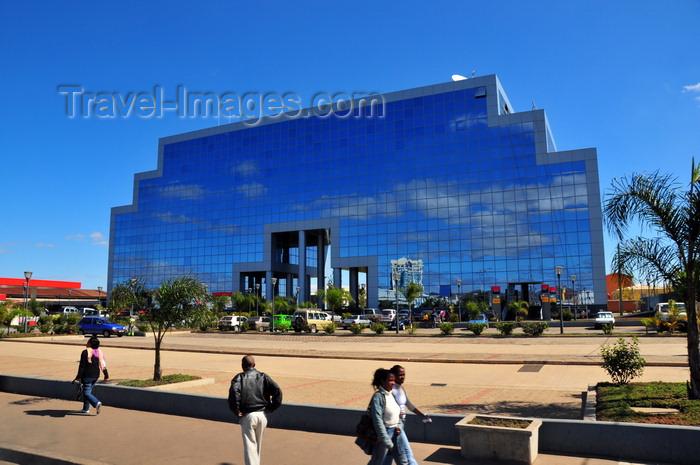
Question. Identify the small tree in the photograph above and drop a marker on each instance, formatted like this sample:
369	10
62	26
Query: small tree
623	361
219	303
336	298
128	294
411	293
676	317
472	310
175	300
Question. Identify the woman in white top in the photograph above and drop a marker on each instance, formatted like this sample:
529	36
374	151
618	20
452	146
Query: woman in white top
386	418
402	399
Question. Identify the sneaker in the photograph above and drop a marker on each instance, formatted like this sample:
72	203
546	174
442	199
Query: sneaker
97	408
83	411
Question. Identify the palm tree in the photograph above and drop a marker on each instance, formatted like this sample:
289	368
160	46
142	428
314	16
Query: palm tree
660	203
411	293
178	299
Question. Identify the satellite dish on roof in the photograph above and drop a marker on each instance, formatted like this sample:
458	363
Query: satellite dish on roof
458	77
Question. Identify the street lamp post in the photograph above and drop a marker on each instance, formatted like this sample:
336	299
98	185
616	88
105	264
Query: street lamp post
396	277
573	293
558	270
459	301
274	282
27	275
257	298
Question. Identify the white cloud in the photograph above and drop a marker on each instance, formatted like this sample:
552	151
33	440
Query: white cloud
692	88
182	191
75	237
41	244
98	239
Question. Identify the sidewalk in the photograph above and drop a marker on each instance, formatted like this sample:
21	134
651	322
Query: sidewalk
316	369
444	375
42	427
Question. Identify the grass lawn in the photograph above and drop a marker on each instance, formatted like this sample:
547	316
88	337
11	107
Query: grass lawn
614	403
166	379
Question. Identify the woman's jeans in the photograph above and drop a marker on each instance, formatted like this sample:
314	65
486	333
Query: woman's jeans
89	398
380	452
402	443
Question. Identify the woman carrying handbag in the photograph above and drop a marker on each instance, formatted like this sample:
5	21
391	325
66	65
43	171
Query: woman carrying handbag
386	418
91	362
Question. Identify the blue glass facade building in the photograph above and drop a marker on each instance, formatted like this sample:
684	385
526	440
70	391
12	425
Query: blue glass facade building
448	175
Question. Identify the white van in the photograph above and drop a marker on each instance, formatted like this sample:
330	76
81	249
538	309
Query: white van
664	308
64	310
87	311
232	322
388	315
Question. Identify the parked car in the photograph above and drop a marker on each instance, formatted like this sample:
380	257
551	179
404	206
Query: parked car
232	322
309	320
604	318
100	325
283	319
664	308
259	323
335	318
402	325
87	311
372	314
64	309
388	315
355	319
480	318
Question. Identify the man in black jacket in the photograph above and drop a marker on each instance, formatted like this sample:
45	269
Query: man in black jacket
251	396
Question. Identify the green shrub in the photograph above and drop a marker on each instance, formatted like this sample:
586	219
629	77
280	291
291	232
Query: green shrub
622	361
45	328
411	329
224	327
245	326
608	328
329	328
142	327
505	327
567	315
446	328
454	317
345	316
534	328
377	328
477	328
357	329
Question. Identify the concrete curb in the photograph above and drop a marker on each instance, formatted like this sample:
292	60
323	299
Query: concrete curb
622	441
183	385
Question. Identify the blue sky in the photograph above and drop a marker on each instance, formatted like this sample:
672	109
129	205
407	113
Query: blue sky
622	76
